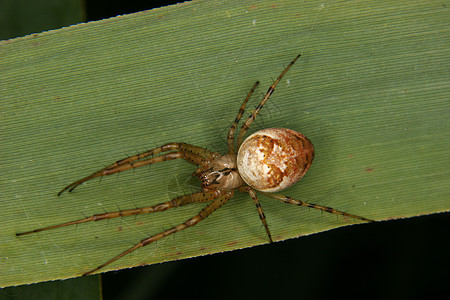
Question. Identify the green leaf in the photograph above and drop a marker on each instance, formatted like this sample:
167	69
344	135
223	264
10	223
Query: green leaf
370	90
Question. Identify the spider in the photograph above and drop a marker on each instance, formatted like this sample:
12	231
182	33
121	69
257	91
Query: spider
268	161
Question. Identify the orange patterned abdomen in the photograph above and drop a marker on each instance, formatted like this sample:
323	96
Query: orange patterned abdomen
273	159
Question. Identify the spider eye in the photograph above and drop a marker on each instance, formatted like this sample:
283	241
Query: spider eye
273	159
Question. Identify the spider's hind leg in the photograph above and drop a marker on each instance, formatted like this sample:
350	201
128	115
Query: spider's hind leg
290	200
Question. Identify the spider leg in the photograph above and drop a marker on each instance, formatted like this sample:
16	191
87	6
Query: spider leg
252	117
217	203
230	137
252	194
193	154
205	153
290	200
176	202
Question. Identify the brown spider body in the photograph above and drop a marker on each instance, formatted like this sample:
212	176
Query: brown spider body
269	160
273	159
220	173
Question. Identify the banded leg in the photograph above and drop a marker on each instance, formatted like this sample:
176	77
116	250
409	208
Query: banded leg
230	137
193	154
290	200
217	203
176	202
252	194
252	117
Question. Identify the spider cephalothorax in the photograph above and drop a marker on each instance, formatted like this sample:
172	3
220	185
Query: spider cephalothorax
269	160
220	173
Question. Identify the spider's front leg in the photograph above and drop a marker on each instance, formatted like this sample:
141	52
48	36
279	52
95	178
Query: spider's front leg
199	197
193	154
203	214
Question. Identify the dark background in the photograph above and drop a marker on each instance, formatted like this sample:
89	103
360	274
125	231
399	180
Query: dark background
402	259
101	9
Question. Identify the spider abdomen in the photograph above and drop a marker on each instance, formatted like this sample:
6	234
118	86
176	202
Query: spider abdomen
273	159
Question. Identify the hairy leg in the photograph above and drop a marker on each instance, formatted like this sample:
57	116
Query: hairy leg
252	117
176	202
290	200
193	154
230	137
252	194
217	203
